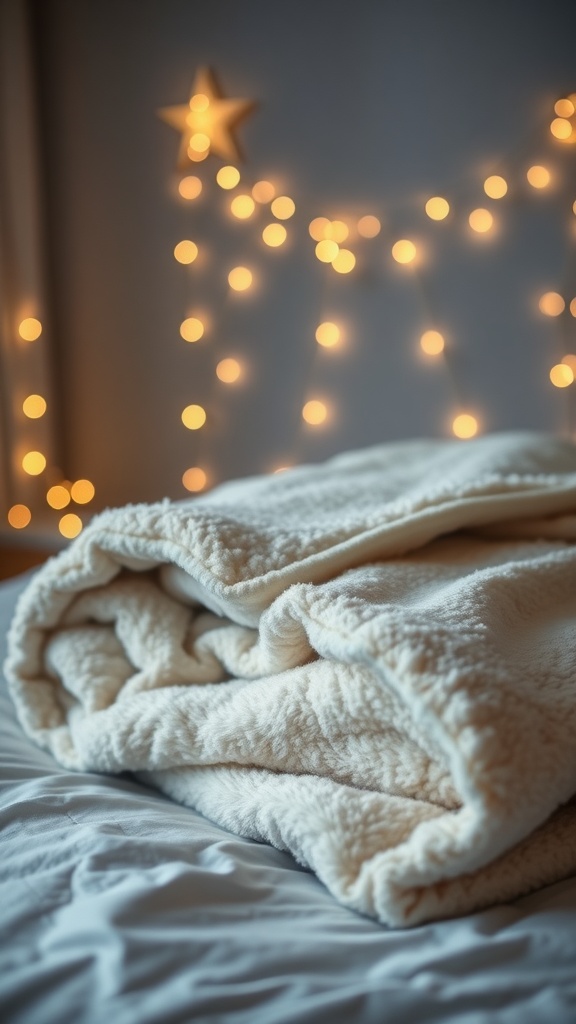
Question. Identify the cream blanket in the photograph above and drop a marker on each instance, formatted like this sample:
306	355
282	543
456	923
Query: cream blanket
370	663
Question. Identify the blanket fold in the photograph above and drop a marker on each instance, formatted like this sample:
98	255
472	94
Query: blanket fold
370	663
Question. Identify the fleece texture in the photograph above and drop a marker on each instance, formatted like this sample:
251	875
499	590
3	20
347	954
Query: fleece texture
370	663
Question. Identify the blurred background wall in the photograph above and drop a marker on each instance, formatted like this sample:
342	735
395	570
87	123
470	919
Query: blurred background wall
365	108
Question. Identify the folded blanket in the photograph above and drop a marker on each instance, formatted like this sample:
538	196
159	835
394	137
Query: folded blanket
370	663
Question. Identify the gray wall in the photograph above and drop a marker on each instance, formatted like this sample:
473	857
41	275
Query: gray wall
364	107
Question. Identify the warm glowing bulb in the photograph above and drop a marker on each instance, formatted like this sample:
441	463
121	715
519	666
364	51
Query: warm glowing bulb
318	228
274	235
369	226
30	329
283	207
263	192
564	108
314	412
193	417
561	375
561	128
194	479
465	425
337	230
574	207
481	220
327	250
199	102
58	496
437	208
538	176
197	157
228	370
192	329
404	251
432	343
34	463
82	491
570	361
186	251
327	334
495	186
70	525
190	187
551	304
240	278
199	142
34	407
242	206
344	261
19	516
228	177
573	307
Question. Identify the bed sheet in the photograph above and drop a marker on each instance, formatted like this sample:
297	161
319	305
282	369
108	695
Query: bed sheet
119	906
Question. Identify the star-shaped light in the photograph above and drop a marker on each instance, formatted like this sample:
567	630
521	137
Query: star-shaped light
207	121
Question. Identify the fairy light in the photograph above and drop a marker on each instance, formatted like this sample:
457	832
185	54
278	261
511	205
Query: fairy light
551	304
561	129
328	334
327	250
561	375
193	417
337	230
318	228
19	516
263	192
573	307
437	208
186	251
228	177
58	496
192	329
70	525
199	102
570	361
228	371
481	220
564	108
368	226
240	279
190	187
34	406
242	207
82	491
30	328
194	479
344	261
432	343
538	176
404	251
34	463
283	207
464	425
314	412
197	157
199	142
495	186
274	235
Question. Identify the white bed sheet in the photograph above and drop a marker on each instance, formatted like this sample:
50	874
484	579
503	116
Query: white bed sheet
119	906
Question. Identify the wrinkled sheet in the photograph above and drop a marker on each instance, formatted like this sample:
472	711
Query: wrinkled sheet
116	904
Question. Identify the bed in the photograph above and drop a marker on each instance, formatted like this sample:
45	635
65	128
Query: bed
119	904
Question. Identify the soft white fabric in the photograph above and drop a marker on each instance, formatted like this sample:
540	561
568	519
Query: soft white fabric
370	663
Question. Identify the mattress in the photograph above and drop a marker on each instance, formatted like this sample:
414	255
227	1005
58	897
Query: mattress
118	905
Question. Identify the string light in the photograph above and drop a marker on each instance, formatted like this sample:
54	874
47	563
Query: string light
551	304
192	329
464	425
538	176
495	186
34	463
199	142
240	279
34	406
70	525
194	479
481	220
186	251
228	371
344	261
263	192
561	128
19	516
197	157
274	235
283	207
573	307
30	328
570	361
190	187
242	207
199	102
228	176
564	108
368	226
318	228
82	491
328	334
432	343
437	208
194	417
58	496
561	375
404	251
314	412
337	230
327	250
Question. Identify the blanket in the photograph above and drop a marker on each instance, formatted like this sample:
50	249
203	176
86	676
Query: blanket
370	663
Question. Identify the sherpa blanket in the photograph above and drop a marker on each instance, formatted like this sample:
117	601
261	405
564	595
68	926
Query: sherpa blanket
370	663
